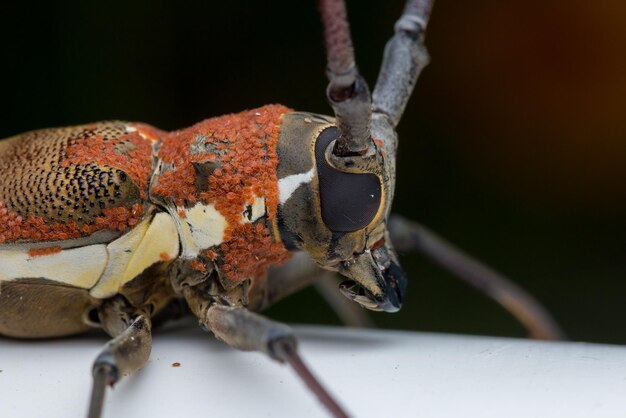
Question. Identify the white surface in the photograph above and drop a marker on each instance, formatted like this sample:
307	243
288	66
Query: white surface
373	373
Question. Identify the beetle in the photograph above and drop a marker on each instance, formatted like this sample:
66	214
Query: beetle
122	226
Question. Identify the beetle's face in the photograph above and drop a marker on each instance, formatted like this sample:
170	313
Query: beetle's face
338	216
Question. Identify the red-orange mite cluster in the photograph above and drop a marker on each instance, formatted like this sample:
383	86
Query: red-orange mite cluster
381	146
250	251
198	265
164	256
38	252
131	153
14	227
242	149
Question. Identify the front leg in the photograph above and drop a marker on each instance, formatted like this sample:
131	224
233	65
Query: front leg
127	352
248	331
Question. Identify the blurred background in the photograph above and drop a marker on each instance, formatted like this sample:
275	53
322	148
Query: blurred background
513	145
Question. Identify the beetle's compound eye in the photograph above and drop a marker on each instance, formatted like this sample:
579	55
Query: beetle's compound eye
349	201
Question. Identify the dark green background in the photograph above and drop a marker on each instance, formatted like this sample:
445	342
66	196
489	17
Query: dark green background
512	146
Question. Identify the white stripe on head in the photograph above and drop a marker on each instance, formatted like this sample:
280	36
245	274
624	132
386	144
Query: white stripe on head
289	184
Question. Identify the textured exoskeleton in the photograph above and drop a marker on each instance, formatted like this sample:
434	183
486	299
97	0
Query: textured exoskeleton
119	225
123	209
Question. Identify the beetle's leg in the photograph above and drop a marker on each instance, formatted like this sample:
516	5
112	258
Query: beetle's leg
248	331
301	272
411	236
404	58
124	354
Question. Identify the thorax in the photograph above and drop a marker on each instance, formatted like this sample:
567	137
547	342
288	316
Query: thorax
218	182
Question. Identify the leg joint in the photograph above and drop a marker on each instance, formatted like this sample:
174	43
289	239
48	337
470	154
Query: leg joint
282	346
105	367
414	26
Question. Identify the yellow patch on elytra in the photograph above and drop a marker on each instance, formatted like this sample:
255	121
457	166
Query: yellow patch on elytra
149	242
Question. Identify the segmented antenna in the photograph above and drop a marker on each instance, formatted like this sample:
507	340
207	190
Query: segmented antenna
404	59
347	92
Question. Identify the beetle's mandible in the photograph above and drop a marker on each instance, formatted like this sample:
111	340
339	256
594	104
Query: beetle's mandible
122	226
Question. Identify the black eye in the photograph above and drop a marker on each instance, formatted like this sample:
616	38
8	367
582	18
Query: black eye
349	201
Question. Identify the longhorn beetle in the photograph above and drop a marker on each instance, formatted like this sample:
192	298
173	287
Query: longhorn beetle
122	226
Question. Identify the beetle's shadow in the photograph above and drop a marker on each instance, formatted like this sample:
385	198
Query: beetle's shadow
341	338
